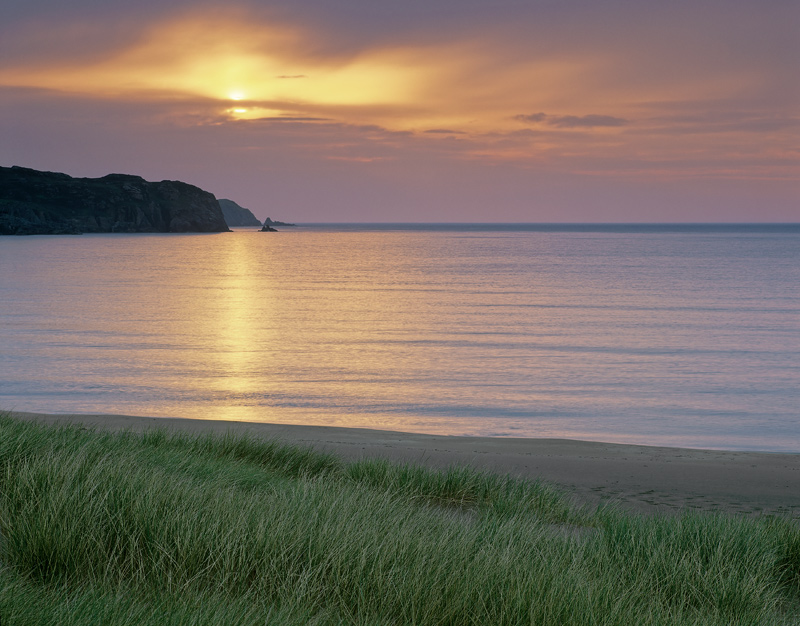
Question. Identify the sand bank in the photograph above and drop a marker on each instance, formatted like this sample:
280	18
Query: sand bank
639	478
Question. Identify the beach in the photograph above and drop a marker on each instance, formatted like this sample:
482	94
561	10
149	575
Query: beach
643	479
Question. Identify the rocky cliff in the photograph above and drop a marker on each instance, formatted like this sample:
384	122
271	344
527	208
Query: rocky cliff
236	215
43	203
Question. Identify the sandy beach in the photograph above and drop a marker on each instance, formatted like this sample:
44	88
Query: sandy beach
638	478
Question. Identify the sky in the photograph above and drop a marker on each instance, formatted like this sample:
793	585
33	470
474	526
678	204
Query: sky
418	111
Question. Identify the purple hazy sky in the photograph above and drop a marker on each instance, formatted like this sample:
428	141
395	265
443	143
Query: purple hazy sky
424	110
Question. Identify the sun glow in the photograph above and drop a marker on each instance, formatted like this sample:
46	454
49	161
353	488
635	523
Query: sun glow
256	113
239	60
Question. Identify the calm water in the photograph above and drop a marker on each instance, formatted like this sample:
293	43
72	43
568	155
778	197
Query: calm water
684	337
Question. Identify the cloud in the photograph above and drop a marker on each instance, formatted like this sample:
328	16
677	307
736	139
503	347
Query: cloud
355	159
534	117
444	131
223	55
585	121
572	121
291	119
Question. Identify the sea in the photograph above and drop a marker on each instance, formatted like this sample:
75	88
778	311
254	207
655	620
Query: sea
664	335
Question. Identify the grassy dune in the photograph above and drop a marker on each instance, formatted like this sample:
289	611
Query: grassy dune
101	528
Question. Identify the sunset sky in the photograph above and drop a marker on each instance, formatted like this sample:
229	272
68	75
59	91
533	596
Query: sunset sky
423	110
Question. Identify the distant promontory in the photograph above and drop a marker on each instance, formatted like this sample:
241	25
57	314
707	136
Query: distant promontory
48	203
236	215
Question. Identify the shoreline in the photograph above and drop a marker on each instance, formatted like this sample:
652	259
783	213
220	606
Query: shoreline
641	479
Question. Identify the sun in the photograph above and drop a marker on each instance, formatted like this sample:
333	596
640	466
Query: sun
236	95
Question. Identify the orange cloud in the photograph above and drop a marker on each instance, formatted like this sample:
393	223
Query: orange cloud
504	99
226	56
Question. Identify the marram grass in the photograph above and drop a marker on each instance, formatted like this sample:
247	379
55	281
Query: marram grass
101	528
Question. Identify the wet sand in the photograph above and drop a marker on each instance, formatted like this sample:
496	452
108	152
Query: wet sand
638	478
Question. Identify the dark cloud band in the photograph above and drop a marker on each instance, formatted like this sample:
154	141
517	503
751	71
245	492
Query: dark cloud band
572	121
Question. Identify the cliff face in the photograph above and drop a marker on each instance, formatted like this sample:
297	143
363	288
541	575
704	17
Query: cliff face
236	215
43	203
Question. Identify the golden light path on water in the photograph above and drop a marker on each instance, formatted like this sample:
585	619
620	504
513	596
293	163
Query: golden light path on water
237	316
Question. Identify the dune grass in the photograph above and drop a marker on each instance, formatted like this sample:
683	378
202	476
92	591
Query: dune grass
165	528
